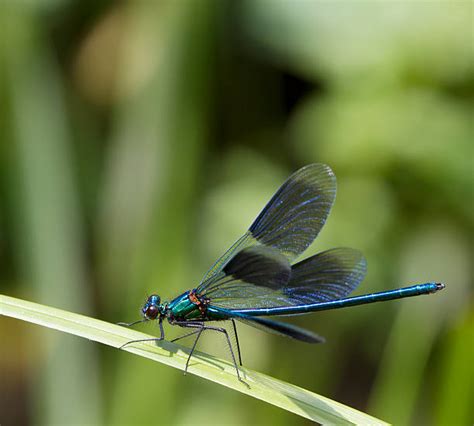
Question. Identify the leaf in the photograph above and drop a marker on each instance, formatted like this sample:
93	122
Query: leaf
284	395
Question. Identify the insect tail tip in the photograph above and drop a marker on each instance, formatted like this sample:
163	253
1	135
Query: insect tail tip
440	286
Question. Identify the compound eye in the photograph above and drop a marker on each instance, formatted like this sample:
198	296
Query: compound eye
151	312
154	299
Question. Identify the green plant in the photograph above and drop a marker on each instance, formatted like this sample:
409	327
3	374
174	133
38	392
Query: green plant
284	395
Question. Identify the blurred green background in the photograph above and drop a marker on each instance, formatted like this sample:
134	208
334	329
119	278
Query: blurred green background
139	139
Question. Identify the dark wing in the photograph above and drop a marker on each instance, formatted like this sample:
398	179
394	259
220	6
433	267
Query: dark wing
275	327
283	329
296	213
329	275
291	220
252	272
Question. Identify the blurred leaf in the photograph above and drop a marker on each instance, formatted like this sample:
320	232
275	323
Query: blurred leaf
365	41
273	391
44	196
435	252
153	171
419	134
371	132
456	383
96	65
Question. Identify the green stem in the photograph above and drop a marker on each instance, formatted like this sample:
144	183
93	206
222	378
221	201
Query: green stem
284	395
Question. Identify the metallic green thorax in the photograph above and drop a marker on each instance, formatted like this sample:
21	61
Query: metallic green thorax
181	308
190	306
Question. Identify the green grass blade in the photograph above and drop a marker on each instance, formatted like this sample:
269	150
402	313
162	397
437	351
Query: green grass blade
265	388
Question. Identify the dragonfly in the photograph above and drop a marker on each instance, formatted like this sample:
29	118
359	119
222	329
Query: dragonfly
257	277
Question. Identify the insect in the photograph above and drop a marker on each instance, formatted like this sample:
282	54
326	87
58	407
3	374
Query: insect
256	278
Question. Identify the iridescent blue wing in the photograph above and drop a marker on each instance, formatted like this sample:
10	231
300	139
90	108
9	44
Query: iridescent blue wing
291	220
329	275
294	216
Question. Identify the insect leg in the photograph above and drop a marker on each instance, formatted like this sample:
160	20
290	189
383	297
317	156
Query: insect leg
224	331
237	341
129	324
184	335
203	327
154	339
200	327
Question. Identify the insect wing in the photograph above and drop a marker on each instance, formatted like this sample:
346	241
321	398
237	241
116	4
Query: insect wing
277	327
296	213
290	221
329	275
253	272
326	276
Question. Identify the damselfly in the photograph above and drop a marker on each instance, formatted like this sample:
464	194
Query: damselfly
256	278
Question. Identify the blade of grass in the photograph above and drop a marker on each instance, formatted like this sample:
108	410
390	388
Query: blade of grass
265	388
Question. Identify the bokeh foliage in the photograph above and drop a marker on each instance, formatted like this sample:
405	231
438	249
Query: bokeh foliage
140	139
